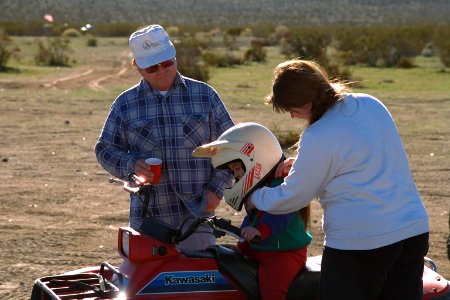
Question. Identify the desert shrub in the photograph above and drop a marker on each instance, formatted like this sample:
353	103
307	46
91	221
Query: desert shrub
262	30
54	52
256	52
173	31
441	40
247	32
444	54
405	63
380	46
307	43
429	50
280	33
225	60
229	41
190	62
338	71
92	42
71	33
116	29
345	57
235	31
313	44
7	49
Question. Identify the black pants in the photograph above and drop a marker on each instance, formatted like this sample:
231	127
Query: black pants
390	272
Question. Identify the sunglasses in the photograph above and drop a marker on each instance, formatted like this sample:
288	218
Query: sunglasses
165	64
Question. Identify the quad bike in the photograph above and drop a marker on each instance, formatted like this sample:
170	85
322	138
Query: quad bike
154	268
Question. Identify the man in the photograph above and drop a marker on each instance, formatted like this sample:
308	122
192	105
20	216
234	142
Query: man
166	115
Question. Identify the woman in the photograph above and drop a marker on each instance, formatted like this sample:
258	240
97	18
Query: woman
352	160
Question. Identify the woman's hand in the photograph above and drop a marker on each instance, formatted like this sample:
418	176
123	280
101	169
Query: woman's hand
284	167
248	204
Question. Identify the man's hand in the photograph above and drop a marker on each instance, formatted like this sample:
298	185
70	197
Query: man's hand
143	170
212	201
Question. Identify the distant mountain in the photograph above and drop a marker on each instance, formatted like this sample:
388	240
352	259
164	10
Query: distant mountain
230	12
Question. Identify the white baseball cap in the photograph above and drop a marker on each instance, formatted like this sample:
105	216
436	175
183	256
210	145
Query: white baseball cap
150	46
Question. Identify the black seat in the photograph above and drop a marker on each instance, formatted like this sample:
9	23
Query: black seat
242	270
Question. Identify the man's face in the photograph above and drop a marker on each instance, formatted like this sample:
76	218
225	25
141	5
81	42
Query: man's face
237	169
162	79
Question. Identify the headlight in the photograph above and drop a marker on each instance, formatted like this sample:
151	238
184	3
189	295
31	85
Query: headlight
126	243
136	247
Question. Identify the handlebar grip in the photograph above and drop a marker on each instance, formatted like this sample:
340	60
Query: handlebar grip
226	224
256	240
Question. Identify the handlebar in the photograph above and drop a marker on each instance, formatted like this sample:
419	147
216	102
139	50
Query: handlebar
134	185
220	226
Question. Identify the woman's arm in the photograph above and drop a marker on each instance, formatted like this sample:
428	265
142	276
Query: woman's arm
311	170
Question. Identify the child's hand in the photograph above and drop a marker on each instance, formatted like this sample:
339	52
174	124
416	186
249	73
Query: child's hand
248	233
234	247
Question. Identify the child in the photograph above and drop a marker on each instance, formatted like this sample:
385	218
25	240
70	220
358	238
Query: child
252	153
281	253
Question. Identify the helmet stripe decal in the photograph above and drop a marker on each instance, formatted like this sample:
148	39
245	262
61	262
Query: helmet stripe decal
248	182
248	149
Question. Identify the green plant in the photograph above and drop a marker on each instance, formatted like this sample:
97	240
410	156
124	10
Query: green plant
189	60
381	46
7	49
444	54
92	42
229	42
220	60
256	52
405	63
441	40
54	52
308	43
71	33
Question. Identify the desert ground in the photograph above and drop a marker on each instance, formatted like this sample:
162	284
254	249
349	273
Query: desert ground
58	211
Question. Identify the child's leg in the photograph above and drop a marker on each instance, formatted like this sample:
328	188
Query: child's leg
277	270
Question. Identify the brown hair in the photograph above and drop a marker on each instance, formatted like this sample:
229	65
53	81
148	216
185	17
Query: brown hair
297	82
305	214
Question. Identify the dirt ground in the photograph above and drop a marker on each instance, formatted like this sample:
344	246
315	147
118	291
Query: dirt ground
60	213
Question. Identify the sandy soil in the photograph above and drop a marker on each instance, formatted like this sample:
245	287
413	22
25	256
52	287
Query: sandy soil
60	213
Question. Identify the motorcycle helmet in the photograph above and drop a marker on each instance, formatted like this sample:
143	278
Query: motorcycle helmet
255	147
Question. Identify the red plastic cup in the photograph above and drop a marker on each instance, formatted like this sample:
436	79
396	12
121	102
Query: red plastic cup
155	166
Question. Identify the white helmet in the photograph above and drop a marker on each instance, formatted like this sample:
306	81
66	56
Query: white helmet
255	146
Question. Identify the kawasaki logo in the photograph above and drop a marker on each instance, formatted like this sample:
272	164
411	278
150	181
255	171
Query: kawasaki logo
187	282
170	279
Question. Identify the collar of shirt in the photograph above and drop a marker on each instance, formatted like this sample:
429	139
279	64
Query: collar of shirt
144	86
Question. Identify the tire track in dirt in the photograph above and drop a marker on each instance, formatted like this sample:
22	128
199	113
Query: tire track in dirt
93	78
67	78
97	83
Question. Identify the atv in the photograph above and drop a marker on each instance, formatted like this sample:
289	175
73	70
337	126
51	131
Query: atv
153	267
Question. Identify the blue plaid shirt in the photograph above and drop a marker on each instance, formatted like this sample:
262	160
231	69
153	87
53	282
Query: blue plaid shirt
143	123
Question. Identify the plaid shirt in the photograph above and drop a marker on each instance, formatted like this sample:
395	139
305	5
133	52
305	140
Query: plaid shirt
143	123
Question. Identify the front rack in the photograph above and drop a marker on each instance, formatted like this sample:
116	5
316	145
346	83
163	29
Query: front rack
77	286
